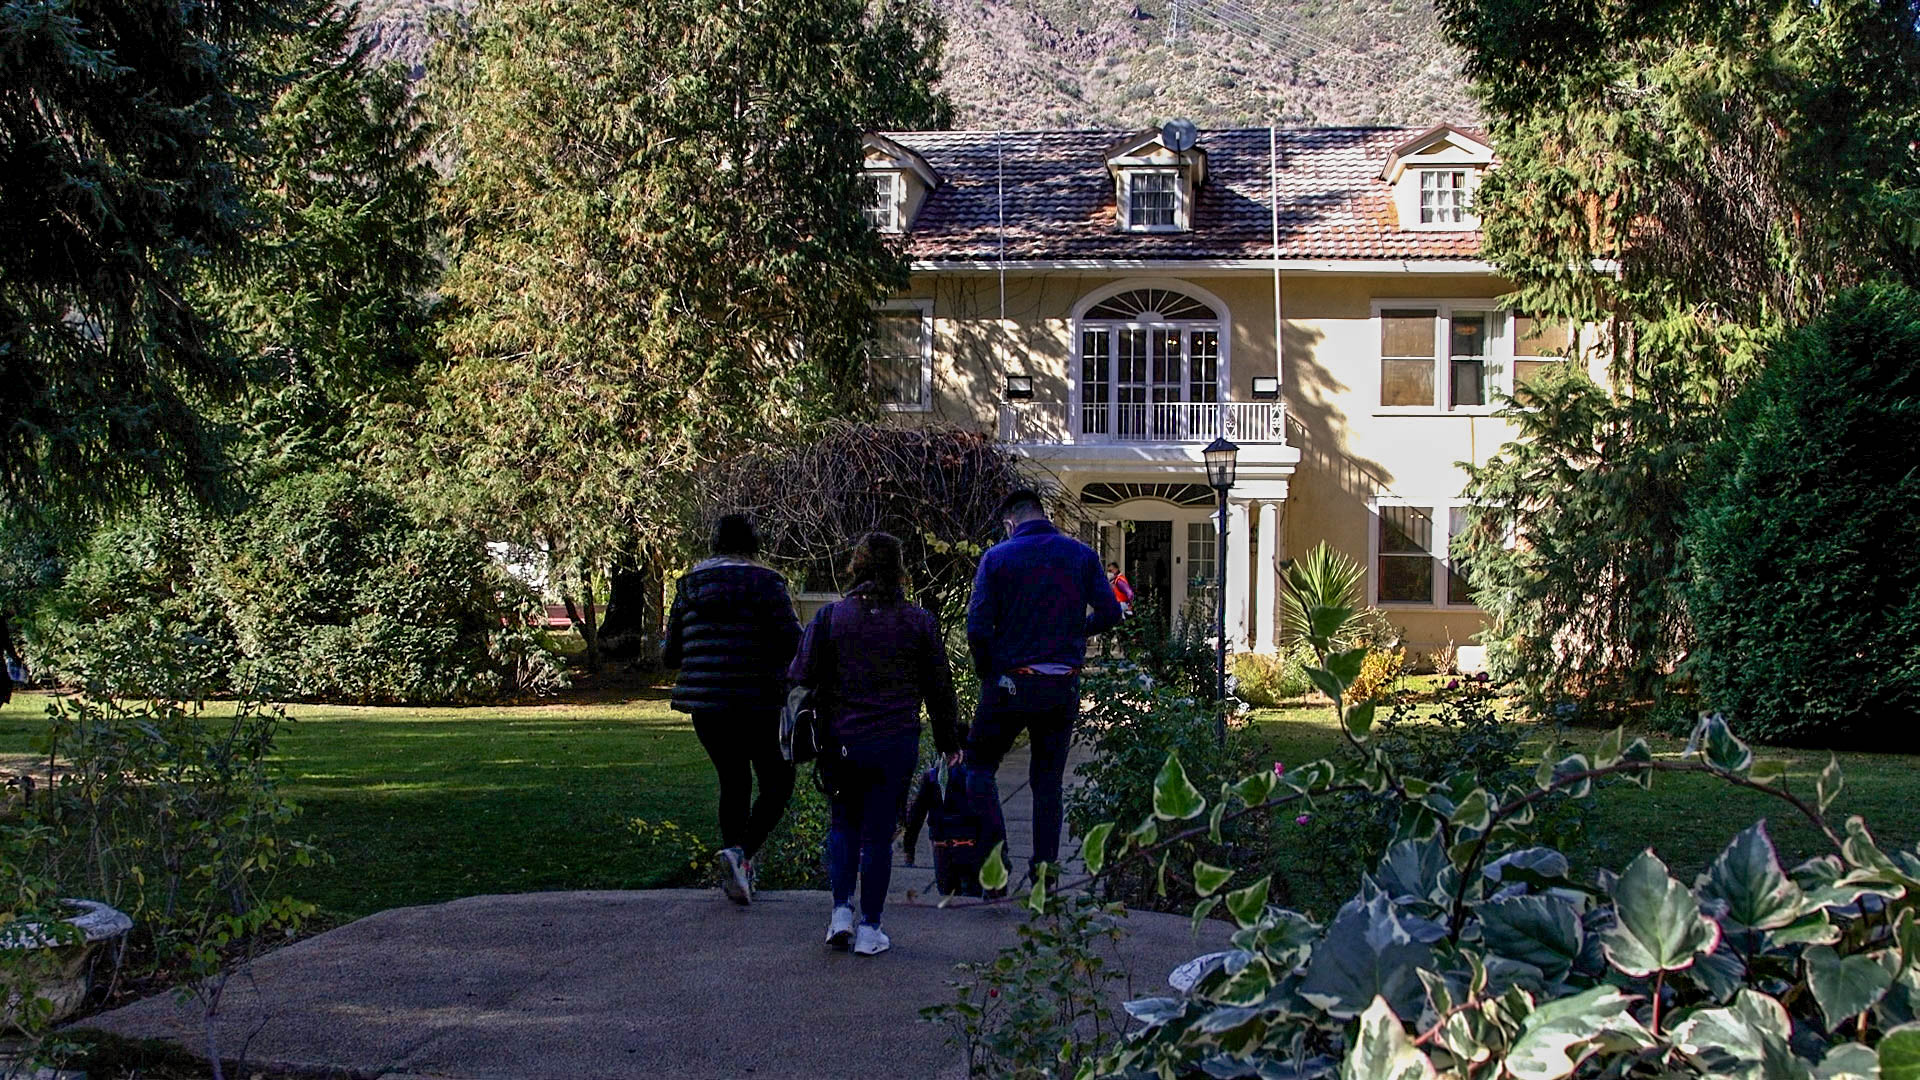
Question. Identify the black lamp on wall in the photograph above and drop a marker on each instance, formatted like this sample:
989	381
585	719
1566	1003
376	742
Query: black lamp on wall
1019	388
1266	387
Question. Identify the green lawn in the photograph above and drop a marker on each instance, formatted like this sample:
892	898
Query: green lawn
423	805
1687	820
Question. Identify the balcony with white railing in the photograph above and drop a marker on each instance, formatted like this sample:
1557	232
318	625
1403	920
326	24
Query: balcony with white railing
1037	423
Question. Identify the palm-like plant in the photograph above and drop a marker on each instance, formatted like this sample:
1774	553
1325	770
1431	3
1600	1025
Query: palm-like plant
1321	600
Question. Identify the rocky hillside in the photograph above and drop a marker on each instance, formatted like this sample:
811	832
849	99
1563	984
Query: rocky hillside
1131	63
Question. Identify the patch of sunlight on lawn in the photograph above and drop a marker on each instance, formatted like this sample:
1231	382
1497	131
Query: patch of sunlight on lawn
421	805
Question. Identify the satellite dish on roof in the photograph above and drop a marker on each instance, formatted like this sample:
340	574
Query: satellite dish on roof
1179	135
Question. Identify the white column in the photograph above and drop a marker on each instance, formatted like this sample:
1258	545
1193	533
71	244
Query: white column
1239	556
1266	581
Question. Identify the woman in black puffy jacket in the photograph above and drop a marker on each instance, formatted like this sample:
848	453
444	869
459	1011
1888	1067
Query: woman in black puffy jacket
731	633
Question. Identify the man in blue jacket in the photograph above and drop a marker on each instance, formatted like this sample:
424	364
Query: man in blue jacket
1037	597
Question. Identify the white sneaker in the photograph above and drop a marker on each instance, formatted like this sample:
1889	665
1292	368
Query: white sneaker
733	875
840	928
870	941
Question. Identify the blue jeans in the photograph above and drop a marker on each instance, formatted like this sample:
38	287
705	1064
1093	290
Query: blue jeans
1046	707
869	779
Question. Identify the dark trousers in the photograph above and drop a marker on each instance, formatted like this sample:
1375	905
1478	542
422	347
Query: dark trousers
869	778
742	745
1046	707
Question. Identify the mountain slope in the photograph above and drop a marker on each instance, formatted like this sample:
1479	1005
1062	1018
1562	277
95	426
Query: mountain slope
1131	63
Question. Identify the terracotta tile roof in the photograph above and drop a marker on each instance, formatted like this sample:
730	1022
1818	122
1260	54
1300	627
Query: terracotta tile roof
1060	201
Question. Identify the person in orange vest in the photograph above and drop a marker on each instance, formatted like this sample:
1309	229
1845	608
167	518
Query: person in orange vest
1122	589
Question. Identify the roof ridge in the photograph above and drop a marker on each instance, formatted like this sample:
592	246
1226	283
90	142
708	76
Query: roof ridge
1298	128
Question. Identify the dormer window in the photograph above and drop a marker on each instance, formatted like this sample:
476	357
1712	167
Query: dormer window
1154	184
1433	176
1443	196
1153	199
882	205
894	184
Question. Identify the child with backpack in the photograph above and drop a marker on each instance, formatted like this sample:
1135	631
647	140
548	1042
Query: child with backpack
962	834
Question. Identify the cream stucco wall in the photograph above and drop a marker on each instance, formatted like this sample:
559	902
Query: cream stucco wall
1351	452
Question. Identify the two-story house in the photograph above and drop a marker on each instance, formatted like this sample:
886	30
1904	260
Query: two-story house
1111	302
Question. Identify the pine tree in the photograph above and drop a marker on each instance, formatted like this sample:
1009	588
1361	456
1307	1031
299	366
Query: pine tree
120	126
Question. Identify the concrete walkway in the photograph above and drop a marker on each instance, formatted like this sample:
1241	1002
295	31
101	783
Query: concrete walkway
675	983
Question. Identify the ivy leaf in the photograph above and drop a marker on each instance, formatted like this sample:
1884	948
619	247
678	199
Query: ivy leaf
1207	878
1900	1053
1848	1061
1844	986
1658	923
993	872
1214	819
1246	905
1474	813
1558	1036
1828	784
1037	898
1145	833
1203	909
1722	749
1174	796
1409	872
1255	789
1093	849
1346	666
1747	1038
1639	753
1540	930
1382	1050
1323	681
1574	765
1610	745
1371	950
1747	876
1360	719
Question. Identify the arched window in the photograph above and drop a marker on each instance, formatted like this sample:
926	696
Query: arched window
1150	367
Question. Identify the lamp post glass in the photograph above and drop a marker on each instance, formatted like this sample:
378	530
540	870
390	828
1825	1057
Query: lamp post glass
1221	457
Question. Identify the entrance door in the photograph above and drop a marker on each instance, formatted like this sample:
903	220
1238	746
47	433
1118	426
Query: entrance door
1150	565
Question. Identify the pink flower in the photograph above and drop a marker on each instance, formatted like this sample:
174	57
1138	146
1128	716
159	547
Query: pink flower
1303	819
993	992
1279	768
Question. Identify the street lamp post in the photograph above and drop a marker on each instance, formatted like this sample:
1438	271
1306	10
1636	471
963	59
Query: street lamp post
1220	456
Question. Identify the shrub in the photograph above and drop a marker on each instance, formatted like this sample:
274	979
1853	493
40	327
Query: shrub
1043	1007
175	818
322	589
1132	721
1470	950
1266	681
1805	591
1465	733
1379	671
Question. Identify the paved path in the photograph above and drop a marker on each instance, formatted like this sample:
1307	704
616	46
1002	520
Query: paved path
672	983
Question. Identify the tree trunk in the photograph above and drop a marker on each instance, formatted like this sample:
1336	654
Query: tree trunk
634	612
593	629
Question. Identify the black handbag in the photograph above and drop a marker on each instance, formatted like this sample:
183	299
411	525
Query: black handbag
806	731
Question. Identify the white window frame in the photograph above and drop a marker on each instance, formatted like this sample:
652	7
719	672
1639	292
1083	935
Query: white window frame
1499	355
925	308
1439	550
1467	219
896	184
1180	207
1222	322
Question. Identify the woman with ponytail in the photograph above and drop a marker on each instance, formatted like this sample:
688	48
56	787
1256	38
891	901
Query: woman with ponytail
874	658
